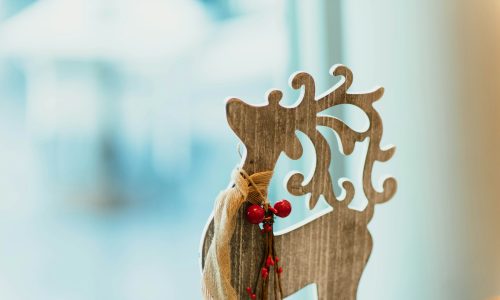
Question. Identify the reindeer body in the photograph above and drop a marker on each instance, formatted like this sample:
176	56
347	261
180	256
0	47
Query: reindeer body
341	234
333	249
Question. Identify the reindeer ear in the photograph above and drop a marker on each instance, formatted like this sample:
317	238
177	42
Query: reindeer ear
293	147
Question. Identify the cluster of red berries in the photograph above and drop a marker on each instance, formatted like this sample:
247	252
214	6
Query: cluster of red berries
251	294
270	262
265	273
256	213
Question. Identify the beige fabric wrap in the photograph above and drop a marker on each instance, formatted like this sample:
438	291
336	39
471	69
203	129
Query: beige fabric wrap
216	283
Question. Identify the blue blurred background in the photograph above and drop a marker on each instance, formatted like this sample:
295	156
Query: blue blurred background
114	143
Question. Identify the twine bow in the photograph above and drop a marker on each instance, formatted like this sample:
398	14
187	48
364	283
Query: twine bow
217	270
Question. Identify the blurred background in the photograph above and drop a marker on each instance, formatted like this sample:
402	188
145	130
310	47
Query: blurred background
114	143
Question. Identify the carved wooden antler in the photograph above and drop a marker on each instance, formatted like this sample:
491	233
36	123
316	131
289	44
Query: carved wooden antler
348	137
339	242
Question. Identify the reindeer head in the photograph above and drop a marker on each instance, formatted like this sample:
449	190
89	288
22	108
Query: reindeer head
266	131
270	129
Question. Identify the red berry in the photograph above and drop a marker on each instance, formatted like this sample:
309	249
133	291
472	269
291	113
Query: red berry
249	290
280	270
255	214
276	259
253	296
283	207
264	273
267	227
269	261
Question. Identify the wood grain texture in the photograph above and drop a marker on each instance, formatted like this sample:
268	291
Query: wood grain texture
333	249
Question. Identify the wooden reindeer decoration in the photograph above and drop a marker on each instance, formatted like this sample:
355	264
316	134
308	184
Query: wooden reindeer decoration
331	250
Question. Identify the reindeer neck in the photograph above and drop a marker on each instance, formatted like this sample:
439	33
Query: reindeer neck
255	163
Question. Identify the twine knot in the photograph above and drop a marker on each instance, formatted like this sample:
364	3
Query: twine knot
253	188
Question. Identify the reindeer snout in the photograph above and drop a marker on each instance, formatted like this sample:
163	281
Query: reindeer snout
234	111
232	106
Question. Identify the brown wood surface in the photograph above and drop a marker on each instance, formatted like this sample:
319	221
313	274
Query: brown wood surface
333	249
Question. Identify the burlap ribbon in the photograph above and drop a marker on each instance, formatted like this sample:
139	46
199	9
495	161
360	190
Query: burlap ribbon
216	283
